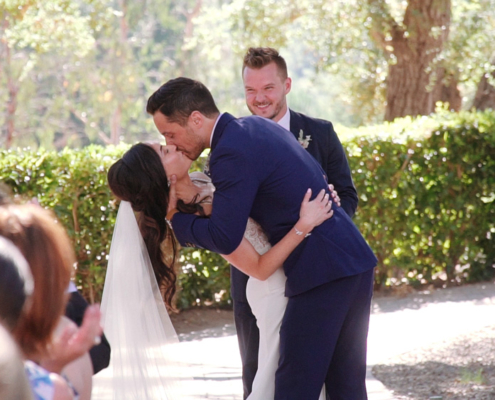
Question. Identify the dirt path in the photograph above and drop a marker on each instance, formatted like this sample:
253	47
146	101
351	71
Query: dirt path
420	345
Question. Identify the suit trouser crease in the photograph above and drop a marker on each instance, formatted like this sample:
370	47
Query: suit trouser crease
323	340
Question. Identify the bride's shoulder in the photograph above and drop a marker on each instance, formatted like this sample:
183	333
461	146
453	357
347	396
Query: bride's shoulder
199	176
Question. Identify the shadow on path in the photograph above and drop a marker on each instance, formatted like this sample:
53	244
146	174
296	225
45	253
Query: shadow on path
480	293
200	323
432	378
220	331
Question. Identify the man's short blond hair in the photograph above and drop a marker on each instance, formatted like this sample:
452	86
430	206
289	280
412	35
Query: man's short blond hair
259	57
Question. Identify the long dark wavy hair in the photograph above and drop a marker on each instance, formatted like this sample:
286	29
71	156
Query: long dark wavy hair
139	178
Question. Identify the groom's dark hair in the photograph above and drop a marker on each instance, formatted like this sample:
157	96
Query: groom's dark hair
259	57
179	97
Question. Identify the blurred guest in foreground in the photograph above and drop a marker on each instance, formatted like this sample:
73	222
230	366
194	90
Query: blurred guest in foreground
16	284
76	306
45	336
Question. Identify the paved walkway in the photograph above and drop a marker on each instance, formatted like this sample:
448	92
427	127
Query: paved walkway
397	325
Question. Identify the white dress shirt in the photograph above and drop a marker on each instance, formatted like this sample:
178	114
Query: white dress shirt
285	120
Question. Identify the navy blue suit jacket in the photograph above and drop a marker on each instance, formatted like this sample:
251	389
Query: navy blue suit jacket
326	148
259	170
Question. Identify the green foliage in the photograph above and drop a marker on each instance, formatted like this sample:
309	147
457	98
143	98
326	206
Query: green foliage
354	40
76	73
79	72
73	184
427	203
42	43
454	186
204	279
427	198
469	49
44	26
472	377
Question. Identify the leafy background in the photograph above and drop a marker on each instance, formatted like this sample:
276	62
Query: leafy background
427	204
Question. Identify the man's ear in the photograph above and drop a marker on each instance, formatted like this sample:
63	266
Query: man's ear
196	119
288	85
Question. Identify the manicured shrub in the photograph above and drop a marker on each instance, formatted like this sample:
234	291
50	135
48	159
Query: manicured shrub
427	191
427	203
73	184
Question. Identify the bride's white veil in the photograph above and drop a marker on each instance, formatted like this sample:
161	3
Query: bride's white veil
143	342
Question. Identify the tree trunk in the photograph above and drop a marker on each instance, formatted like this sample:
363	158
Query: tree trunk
121	53
186	65
412	87
447	90
11	109
485	94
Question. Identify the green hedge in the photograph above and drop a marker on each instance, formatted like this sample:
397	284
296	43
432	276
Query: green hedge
427	196
74	185
427	203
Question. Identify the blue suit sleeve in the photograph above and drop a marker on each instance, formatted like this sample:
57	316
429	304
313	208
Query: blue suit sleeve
339	173
236	184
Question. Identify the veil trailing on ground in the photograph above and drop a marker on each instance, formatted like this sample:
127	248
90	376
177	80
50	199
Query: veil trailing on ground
145	359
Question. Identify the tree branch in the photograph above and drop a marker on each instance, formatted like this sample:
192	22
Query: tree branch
382	23
104	137
190	15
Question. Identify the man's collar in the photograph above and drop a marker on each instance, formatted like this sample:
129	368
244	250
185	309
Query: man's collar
221	124
213	130
284	122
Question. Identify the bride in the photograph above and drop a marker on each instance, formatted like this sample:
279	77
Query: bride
141	177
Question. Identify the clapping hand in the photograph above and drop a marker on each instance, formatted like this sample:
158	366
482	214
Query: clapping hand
71	342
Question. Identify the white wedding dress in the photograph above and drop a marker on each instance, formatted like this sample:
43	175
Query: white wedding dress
268	302
145	362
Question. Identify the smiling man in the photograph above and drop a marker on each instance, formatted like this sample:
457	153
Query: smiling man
266	89
266	86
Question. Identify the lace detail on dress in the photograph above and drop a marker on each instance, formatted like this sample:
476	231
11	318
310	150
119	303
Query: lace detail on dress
255	235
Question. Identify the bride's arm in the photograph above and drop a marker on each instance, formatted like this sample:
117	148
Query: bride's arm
261	267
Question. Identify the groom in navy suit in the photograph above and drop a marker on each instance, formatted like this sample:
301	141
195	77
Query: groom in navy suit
266	85
259	170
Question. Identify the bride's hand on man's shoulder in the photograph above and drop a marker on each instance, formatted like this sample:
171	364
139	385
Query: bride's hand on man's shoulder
316	211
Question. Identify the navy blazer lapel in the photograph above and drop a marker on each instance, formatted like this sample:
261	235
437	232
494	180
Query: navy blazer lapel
296	123
220	128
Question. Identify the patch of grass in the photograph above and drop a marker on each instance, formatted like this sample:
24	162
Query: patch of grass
476	377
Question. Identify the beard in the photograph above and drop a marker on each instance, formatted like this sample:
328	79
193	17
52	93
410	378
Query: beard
196	145
193	154
276	110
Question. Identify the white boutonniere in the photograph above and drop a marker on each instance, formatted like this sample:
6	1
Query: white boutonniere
304	140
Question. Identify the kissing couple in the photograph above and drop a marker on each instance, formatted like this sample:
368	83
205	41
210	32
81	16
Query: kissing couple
311	271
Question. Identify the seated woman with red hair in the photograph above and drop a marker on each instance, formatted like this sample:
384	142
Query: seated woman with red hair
54	346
